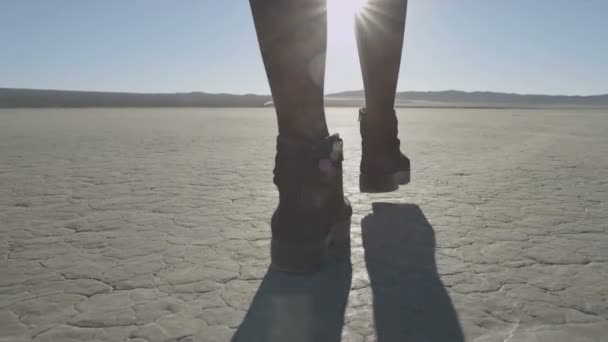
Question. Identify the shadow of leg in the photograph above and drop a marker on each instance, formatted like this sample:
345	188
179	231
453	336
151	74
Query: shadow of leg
297	308
410	302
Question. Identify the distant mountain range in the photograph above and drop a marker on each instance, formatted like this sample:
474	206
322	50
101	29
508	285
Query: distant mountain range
479	99
16	98
36	98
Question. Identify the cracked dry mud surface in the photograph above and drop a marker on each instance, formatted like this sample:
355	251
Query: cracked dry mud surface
153	225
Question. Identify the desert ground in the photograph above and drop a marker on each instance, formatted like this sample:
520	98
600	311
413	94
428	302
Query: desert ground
153	225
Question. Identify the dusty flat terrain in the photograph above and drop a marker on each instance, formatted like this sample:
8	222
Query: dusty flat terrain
152	225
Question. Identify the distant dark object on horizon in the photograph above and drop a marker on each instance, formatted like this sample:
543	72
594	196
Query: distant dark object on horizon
35	98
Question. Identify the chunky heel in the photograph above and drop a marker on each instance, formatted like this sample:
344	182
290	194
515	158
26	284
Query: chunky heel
375	184
340	232
383	183
402	177
299	257
310	257
340	242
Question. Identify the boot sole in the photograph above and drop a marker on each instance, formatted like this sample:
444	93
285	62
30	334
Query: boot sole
309	257
387	183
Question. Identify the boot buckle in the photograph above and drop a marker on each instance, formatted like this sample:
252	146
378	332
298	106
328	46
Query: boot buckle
336	151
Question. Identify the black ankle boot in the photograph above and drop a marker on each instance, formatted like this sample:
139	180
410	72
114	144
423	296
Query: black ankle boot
312	209
383	166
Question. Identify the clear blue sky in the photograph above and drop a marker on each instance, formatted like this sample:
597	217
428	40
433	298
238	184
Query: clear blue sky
526	46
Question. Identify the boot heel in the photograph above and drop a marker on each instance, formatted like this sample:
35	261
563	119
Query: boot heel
376	184
387	183
402	177
299	257
340	232
340	241
310	257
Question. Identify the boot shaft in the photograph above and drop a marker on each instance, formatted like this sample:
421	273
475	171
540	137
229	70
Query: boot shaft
379	129
305	170
379	141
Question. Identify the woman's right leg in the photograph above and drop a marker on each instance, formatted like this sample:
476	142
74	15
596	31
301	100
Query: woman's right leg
312	208
380	30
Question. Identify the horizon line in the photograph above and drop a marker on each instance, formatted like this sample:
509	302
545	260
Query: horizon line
326	94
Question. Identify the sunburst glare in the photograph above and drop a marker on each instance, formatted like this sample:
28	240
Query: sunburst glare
344	11
341	16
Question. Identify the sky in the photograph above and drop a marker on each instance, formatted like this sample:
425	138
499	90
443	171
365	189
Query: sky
523	46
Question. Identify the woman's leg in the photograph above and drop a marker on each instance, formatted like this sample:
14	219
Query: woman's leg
380	29
312	209
293	40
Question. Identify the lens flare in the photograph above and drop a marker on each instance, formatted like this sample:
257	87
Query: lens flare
347	9
354	7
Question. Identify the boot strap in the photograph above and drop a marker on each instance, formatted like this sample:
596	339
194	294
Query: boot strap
291	150
297	160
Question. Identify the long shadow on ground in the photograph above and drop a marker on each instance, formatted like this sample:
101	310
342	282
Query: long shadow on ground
410	302
300	308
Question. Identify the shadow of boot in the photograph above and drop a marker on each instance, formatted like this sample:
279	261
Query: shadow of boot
410	302
300	308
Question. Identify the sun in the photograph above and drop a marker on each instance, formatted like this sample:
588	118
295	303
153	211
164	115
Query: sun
341	44
345	10
341	16
354	7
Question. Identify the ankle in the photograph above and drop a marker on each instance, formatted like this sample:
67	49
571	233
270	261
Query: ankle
379	110
302	124
377	117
